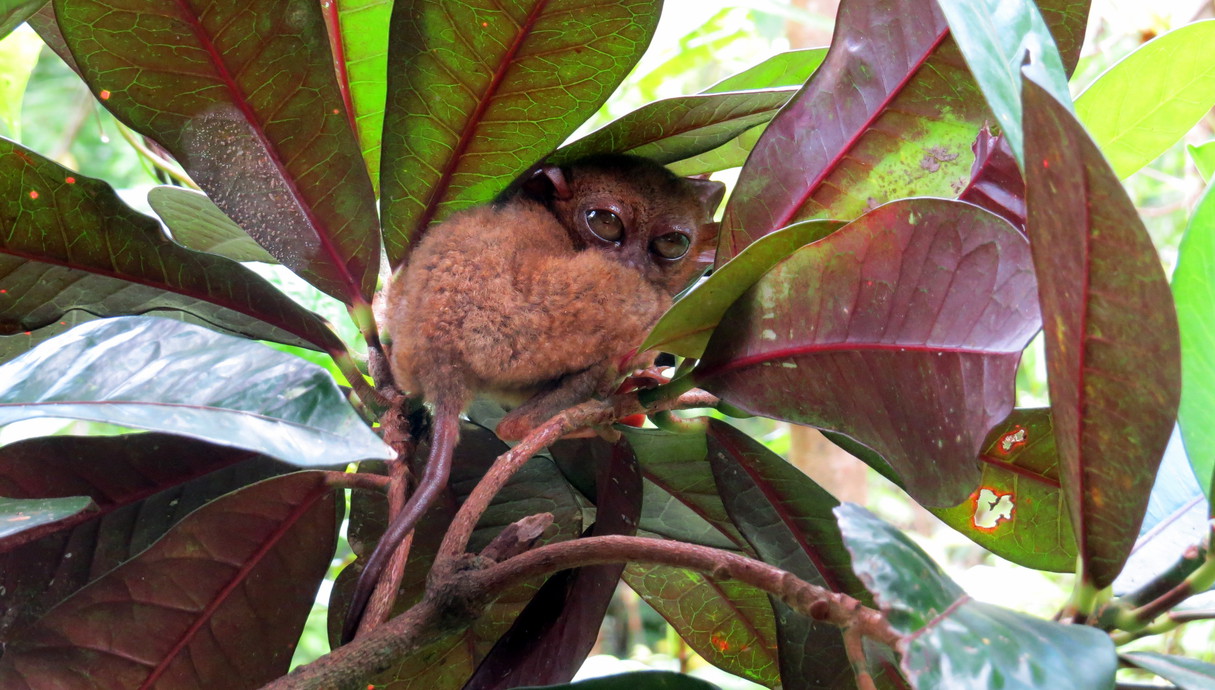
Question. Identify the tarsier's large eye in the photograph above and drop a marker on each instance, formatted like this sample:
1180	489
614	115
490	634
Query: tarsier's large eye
605	224
672	245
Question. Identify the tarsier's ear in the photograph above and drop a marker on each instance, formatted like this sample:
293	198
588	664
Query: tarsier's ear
708	192
547	181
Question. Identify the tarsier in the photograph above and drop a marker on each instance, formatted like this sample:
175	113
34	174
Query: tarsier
539	299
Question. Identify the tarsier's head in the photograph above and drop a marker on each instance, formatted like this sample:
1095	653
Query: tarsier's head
637	210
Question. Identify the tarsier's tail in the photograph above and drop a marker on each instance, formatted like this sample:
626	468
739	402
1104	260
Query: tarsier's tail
445	432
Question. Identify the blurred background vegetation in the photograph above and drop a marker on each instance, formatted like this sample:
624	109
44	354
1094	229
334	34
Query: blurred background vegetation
699	42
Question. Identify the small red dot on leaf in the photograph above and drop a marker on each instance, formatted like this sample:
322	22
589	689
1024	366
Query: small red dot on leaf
104	95
484	24
335	111
33	194
70	180
3	292
1045	163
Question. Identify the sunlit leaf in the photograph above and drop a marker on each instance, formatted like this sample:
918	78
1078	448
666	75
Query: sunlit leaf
1147	101
685	329
1017	510
731	154
197	223
248	104
362	58
920	309
1111	333
1194	294
952	641
68	243
1204	159
998	37
480	90
162	375
140	484
242	571
677	128
791	68
892	112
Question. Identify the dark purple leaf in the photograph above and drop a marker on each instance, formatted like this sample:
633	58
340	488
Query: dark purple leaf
244	96
550	639
995	179
141	485
68	243
218	602
891	112
1111	334
919	309
478	91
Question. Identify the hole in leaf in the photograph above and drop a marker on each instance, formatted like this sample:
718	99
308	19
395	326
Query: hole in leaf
991	509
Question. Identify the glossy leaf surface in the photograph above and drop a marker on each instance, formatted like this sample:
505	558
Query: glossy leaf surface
1111	334
1017	511
920	308
163	375
553	634
678	128
1187	674
951	640
791	68
685	328
890	113
68	243
998	37
140	485
222	596
995	180
246	100
480	90
18	515
1194	295
1147	101
787	519
195	222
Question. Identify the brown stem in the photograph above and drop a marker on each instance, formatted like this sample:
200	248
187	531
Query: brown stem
355	480
854	647
385	593
586	414
817	602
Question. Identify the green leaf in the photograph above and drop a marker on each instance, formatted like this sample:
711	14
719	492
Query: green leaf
363	60
952	641
68	243
685	328
678	128
248	103
195	222
1112	349
791	68
162	375
1187	674
13	12
18	55
1018	510
997	37
1147	101
20	514
243	570
479	90
1194	295
1204	159
731	154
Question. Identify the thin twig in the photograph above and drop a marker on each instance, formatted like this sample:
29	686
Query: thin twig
587	414
357	480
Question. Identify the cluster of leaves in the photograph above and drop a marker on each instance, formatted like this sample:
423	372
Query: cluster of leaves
884	259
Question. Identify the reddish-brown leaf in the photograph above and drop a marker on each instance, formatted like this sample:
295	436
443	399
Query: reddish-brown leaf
219	602
1112	345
